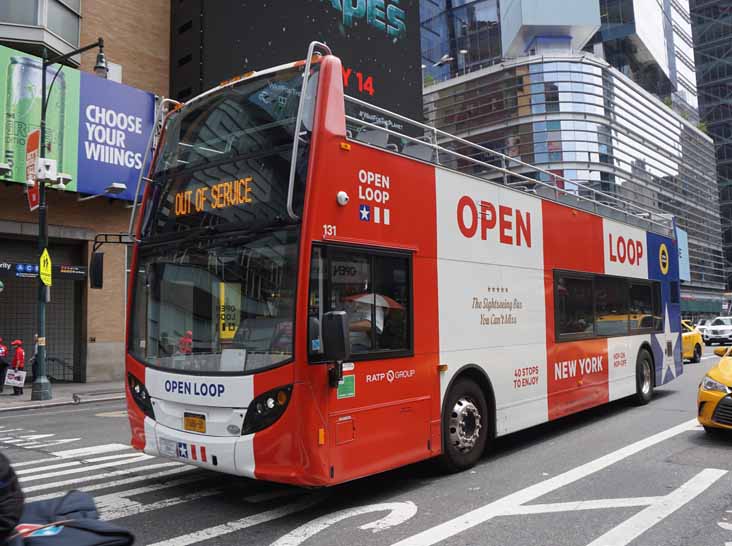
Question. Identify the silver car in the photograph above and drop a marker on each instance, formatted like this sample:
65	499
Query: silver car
719	331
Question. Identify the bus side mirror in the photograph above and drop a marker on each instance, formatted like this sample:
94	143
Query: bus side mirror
336	343
96	270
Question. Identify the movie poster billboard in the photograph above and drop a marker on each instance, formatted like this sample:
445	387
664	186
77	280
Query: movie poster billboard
377	41
96	130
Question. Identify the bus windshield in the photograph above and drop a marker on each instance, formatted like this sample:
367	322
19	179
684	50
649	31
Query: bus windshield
217	260
223	303
226	157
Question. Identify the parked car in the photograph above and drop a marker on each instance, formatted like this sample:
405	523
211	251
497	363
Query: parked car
719	331
691	342
714	405
703	324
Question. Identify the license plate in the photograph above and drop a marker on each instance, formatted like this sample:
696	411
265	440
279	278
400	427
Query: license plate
167	447
194	422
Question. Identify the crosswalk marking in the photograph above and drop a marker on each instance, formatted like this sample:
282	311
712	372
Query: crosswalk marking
95	477
131	483
70	453
26	471
126	481
138	457
131	508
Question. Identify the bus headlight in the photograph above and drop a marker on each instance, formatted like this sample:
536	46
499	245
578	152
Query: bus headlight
140	395
265	409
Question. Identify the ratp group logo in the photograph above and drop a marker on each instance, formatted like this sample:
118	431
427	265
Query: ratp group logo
383	15
663	260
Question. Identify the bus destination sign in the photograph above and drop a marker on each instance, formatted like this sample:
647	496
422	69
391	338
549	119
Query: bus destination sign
222	195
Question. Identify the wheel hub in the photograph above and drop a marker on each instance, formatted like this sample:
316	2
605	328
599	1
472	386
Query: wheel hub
646	370
465	425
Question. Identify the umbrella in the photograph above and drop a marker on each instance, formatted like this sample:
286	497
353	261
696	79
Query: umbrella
378	299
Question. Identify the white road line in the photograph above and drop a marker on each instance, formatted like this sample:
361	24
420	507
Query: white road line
126	481
243	523
70	453
95	477
399	512
133	508
118	456
136	458
638	524
510	502
57	443
576	506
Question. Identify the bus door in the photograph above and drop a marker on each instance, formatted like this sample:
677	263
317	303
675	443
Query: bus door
379	413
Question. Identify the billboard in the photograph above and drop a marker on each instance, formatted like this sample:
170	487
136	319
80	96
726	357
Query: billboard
96	130
377	41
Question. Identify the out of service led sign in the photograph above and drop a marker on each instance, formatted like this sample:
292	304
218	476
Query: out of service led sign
222	195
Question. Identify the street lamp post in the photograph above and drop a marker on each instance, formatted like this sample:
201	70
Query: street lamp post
41	384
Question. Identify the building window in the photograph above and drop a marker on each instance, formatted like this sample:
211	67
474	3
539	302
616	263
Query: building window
19	12
63	19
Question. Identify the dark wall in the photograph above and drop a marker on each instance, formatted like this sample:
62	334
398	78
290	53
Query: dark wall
214	40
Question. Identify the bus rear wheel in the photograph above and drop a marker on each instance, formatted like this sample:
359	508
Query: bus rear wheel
643	378
465	426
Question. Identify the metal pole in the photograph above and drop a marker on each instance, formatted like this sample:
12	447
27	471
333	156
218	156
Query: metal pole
41	384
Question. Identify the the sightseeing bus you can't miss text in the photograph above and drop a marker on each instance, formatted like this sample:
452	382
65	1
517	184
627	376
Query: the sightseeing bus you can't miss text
318	296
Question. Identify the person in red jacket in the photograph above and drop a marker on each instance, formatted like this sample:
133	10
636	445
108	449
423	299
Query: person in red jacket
4	364
185	343
18	362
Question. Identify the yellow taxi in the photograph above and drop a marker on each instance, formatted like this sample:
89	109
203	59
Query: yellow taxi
714	402
691	342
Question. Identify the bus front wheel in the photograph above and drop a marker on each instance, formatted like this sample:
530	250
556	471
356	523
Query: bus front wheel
643	378
465	426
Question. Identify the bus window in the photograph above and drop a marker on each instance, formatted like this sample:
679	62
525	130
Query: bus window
611	306
641	306
574	306
375	291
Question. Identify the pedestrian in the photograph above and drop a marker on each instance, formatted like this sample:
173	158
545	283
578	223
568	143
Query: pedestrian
11	499
185	343
18	362
34	358
4	364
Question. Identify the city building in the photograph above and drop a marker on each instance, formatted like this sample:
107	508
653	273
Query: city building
712	24
591	91
85	328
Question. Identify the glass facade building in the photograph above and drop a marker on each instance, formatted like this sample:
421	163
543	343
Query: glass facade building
580	118
712	24
458	36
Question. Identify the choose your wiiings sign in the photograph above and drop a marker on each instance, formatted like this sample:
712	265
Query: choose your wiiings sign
96	130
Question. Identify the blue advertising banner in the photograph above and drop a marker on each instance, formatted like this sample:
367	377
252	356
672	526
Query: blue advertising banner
96	130
682	240
115	122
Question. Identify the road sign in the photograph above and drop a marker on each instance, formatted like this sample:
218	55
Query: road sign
45	270
32	145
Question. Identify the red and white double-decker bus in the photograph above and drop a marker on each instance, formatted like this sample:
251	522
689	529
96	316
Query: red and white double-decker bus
317	296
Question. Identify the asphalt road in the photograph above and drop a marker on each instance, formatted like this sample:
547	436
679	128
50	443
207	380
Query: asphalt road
614	475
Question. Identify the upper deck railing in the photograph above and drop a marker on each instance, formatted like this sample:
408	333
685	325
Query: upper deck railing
381	128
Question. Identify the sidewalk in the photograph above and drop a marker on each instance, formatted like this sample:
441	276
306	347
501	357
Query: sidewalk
63	394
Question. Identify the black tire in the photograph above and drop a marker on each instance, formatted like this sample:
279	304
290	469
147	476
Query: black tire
466	395
696	358
712	431
644	373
